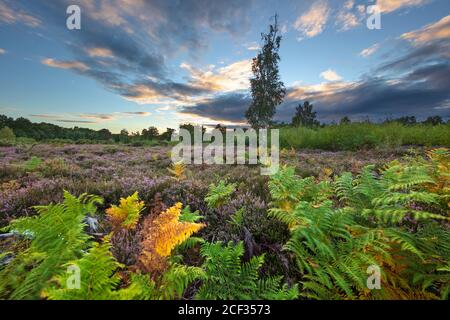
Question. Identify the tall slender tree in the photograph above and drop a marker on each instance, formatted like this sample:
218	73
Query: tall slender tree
266	87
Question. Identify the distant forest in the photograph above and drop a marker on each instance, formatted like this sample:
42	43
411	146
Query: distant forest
24	128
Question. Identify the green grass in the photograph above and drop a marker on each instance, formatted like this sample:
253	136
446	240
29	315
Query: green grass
364	135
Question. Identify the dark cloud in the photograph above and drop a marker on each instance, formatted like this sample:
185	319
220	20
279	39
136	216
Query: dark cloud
416	83
227	107
124	43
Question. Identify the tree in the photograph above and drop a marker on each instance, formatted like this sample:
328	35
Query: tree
7	135
345	120
104	134
168	134
304	116
266	87
150	133
434	121
221	128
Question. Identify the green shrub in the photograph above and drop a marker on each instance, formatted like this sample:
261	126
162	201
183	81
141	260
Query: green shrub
356	136
7	136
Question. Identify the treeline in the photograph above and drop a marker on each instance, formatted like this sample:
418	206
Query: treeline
305	117
11	128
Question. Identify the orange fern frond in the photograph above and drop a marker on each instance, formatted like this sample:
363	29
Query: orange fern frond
127	214
161	235
178	170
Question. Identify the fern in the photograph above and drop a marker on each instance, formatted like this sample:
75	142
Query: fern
127	214
161	235
334	243
219	194
178	171
56	237
98	277
226	278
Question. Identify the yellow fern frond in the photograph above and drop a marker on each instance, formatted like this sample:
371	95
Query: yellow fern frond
127	214
178	170
162	235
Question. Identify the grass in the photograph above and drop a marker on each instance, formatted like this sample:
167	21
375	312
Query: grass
357	136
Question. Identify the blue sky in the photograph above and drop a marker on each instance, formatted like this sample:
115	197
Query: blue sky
139	63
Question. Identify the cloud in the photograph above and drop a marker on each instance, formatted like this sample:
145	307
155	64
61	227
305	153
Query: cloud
138	113
387	6
99	52
90	117
436	31
76	65
410	82
2	51
227	107
76	121
126	44
253	46
224	79
13	15
45	116
313	22
97	116
370	50
330	75
349	16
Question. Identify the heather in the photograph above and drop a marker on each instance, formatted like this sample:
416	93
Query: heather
309	232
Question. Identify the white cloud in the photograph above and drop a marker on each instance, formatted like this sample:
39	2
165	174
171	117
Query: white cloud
253	46
76	65
313	22
2	51
392	5
435	31
330	75
370	50
350	16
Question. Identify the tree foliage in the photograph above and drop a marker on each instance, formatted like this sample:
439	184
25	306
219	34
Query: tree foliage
304	116
266	87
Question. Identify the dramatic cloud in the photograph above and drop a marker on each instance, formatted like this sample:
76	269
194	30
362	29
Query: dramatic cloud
76	65
227	107
370	50
330	75
387	6
436	31
125	45
10	14
416	83
229	78
313	22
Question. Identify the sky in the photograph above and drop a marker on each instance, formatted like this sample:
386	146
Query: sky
140	63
